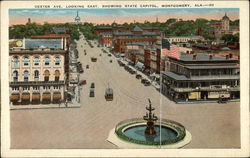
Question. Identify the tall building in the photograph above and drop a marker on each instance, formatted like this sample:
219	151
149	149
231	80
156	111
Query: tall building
37	74
225	23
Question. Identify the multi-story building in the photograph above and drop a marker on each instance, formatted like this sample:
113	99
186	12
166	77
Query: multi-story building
36	72
201	77
120	39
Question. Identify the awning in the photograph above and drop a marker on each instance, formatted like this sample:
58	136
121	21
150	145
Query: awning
46	96
57	96
36	96
25	96
14	97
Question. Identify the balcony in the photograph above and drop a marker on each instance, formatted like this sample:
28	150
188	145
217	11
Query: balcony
209	89
215	77
37	83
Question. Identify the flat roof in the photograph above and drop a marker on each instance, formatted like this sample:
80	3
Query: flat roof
43	43
203	57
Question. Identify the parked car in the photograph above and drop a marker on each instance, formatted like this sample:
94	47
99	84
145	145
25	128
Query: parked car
91	93
87	66
222	100
143	80
147	83
92	85
110	61
82	82
109	55
138	76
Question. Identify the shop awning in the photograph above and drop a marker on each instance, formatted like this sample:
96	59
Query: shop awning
25	96
36	96
14	97
46	96
57	96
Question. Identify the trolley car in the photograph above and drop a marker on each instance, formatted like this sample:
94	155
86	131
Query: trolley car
109	94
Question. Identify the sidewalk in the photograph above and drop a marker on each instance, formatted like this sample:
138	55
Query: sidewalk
204	101
45	106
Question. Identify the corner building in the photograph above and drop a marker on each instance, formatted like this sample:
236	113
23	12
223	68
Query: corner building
201	77
37	75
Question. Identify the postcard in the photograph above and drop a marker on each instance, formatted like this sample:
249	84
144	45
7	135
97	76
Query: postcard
125	78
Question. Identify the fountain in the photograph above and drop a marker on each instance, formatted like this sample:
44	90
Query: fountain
149	132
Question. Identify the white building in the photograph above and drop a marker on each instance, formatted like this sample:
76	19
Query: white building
184	39
37	75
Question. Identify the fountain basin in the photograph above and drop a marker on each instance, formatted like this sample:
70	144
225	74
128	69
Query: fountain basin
130	134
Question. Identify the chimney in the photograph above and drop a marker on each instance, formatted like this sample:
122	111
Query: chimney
194	57
230	55
210	57
227	57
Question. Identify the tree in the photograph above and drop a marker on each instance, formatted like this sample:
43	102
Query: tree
230	38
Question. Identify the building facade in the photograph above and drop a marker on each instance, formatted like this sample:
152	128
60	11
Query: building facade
37	75
201	77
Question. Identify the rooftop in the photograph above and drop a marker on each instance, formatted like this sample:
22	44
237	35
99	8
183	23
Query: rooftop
43	43
202	57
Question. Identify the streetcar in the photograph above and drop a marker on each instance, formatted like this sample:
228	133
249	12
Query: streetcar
109	94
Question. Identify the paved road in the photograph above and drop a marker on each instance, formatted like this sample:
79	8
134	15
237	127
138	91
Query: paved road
211	125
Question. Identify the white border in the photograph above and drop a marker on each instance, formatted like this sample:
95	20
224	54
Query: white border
244	117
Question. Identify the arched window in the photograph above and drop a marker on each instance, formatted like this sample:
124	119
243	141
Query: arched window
46	75
57	60
36	75
26	61
15	76
36	60
47	60
26	76
15	62
57	75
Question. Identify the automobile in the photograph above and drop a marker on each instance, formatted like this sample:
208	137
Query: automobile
143	80
92	85
138	76
109	55
147	83
85	53
110	61
91	93
87	66
132	71
80	68
222	100
93	59
100	54
82	82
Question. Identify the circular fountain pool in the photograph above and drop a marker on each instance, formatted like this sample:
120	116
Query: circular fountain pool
162	134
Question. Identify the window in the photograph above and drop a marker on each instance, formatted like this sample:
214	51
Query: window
56	87
36	75
57	61
15	62
15	76
36	61
47	60
46	76
26	76
57	75
35	87
26	61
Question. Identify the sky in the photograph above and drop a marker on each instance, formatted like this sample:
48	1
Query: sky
105	16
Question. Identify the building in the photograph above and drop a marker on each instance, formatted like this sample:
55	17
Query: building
36	72
222	27
184	39
201	77
120	39
77	19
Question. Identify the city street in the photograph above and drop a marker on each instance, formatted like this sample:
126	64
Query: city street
212	125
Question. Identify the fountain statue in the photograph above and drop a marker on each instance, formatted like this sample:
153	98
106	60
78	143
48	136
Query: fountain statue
150	130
